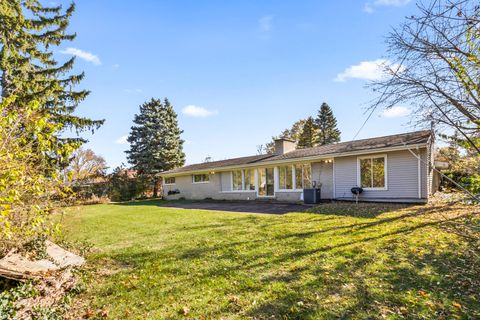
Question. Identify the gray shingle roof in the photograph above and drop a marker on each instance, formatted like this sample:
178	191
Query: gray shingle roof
398	140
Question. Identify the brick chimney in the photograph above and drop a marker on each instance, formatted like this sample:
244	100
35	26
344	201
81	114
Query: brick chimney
284	145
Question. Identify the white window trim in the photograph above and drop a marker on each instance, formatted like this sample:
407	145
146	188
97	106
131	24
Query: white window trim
242	187
169	184
302	165
243	182
200	182
385	169
293	180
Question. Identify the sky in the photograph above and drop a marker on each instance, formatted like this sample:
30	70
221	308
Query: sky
236	72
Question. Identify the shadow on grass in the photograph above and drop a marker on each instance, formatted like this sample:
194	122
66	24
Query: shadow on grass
343	279
360	210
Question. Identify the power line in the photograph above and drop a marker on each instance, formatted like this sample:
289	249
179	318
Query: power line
374	107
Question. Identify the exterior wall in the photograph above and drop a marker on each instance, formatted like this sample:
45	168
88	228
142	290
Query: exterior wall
240	195
322	173
195	191
336	178
289	196
226	181
402	177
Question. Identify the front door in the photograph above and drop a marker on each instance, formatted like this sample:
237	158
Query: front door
265	182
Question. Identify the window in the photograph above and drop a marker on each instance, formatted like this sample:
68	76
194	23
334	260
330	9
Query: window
243	180
237	183
170	180
249	179
303	176
307	174
285	177
200	178
372	172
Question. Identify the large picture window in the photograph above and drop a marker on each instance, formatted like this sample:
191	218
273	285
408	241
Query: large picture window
237	183
303	173
285	176
249	176
372	173
200	178
243	180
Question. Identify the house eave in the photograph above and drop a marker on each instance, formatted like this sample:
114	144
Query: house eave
295	160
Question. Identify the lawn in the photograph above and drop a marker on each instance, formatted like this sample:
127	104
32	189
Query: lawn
343	261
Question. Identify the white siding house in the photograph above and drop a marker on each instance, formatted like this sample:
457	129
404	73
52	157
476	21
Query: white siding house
393	169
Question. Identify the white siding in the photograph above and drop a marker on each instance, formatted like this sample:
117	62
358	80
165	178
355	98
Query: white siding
322	173
402	182
226	181
402	173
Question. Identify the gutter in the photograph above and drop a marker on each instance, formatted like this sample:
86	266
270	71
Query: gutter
300	159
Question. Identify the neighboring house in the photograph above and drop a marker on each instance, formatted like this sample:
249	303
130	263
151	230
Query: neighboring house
396	168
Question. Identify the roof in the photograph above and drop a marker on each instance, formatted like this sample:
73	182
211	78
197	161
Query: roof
336	149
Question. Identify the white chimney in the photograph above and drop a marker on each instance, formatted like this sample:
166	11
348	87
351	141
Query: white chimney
284	145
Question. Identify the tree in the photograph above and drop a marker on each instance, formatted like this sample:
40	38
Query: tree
327	126
26	194
437	68
155	143
307	137
86	166
292	133
28	33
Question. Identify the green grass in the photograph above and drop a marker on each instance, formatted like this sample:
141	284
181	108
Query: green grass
344	261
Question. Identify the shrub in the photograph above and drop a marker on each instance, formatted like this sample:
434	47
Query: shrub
28	185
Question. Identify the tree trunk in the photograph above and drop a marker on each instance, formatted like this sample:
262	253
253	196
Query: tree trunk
157	187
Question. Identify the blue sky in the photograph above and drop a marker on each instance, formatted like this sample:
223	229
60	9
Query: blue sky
237	72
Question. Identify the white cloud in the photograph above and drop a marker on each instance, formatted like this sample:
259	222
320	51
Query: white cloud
87	56
198	112
122	140
395	112
367	70
369	6
133	90
265	23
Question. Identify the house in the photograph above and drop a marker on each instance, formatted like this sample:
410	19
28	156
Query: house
396	168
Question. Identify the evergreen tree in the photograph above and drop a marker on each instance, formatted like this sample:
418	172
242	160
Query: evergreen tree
327	126
292	133
307	136
155	143
28	31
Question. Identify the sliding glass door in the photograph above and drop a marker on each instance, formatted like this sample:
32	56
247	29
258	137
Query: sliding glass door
265	182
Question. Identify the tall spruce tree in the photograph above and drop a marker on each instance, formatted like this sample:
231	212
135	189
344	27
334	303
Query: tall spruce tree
326	126
28	31
307	138
155	143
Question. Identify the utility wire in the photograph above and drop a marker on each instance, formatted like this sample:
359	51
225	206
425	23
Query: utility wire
374	107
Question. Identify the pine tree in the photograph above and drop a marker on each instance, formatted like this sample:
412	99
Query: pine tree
326	125
28	31
155	143
292	133
307	136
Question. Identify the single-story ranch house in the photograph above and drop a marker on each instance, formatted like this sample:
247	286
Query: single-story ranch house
396	168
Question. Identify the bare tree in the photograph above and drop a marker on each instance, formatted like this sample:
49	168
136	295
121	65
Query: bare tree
86	166
260	149
435	67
